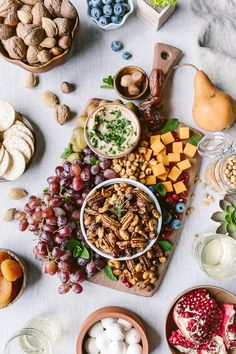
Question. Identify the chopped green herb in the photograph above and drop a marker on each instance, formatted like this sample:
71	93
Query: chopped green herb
108	272
195	139
163	3
67	152
165	245
170	125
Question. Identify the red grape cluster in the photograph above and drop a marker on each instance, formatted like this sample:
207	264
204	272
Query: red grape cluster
54	219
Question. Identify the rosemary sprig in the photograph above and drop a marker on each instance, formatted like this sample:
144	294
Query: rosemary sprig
119	207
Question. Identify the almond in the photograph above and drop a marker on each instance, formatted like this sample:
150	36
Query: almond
17	193
49	27
49	99
9	215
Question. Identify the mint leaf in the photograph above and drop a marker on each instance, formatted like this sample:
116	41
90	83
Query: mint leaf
94	161
109	82
107	87
45	190
195	139
85	253
161	190
108	272
72	244
165	245
170	125
77	251
67	152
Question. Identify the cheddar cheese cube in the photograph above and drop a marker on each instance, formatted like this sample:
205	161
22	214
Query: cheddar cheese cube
174	157
157	147
184	133
154	138
163	152
163	158
179	187
190	150
184	164
158	169
177	147
148	154
150	180
167	138
175	172
165	175
168	186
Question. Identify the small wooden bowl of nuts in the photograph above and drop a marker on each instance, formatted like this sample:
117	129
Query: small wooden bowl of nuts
120	219
131	82
113	329
37	35
12	277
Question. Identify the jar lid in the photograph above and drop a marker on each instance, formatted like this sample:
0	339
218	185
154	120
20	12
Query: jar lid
215	145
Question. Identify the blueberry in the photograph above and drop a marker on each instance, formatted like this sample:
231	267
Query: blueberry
126	55
96	3
103	21
117	1
90	4
152	188
105	2
119	9
116	19
116	45
180	207
96	13
166	217
107	10
175	224
126	6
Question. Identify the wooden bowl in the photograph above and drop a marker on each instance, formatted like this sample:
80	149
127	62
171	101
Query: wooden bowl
21	282
133	118
55	61
116	312
220	295
123	91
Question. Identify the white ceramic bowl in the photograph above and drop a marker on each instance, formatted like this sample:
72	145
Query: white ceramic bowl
132	183
112	26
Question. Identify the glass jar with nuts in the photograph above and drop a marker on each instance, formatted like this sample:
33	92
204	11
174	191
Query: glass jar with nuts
221	172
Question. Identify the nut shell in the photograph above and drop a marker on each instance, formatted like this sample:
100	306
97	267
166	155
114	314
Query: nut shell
63	113
64	42
11	19
38	12
6	31
48	43
15	47
49	27
54	7
33	35
49	99
68	10
63	25
44	56
29	2
32	54
24	16
8	6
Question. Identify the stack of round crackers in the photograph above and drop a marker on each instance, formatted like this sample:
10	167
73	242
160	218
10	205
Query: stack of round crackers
17	143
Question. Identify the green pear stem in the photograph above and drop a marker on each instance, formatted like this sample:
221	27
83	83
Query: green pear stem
185	64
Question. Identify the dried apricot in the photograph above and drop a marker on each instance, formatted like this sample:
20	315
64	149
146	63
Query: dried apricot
3	256
5	290
3	304
11	269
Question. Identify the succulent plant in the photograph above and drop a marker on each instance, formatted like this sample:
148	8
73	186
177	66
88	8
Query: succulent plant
226	217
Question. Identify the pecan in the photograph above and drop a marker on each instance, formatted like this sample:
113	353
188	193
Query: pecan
94	198
107	192
159	252
109	222
123	244
156	82
91	211
124	235
100	232
145	262
126	220
104	209
143	197
143	284
138	242
131	265
156	213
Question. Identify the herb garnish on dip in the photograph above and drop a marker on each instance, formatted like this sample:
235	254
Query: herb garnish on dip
112	130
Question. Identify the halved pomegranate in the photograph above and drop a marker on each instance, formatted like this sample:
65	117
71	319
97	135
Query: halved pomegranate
180	342
229	325
215	346
198	316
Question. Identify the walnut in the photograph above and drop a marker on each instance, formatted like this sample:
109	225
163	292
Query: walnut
64	26
15	47
63	113
32	54
68	10
29	2
6	31
33	34
38	12
54	7
8	6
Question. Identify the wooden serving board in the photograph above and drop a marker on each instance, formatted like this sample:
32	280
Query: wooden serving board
101	279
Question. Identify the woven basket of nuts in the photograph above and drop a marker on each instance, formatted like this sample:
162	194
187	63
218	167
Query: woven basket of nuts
121	219
37	35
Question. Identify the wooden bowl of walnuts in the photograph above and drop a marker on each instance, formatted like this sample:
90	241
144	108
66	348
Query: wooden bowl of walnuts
37	35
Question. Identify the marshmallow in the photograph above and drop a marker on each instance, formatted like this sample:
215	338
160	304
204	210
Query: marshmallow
95	330
132	336
106	322
115	332
134	349
102	341
117	347
125	324
91	346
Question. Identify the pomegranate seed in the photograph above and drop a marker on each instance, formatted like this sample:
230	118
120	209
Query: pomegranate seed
169	200
175	197
165	235
128	285
123	280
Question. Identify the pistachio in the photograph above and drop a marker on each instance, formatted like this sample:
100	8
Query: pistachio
54	7
63	25
9	215
32	54
63	113
68	10
31	81
44	56
56	51
49	99
39	12
8	6
24	16
64	42
15	47
6	31
17	193
49	27
66	87
48	43
11	19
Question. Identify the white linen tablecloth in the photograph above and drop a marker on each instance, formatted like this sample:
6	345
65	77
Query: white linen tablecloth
92	60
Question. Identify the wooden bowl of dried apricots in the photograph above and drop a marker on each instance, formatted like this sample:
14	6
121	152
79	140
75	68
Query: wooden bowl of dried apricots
12	277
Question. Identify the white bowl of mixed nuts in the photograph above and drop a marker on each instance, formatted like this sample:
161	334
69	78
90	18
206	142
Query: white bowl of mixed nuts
120	219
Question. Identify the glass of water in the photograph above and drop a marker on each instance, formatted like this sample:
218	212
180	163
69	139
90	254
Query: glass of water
216	255
37	336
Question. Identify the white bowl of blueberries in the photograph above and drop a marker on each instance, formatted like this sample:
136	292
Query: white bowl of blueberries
110	14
